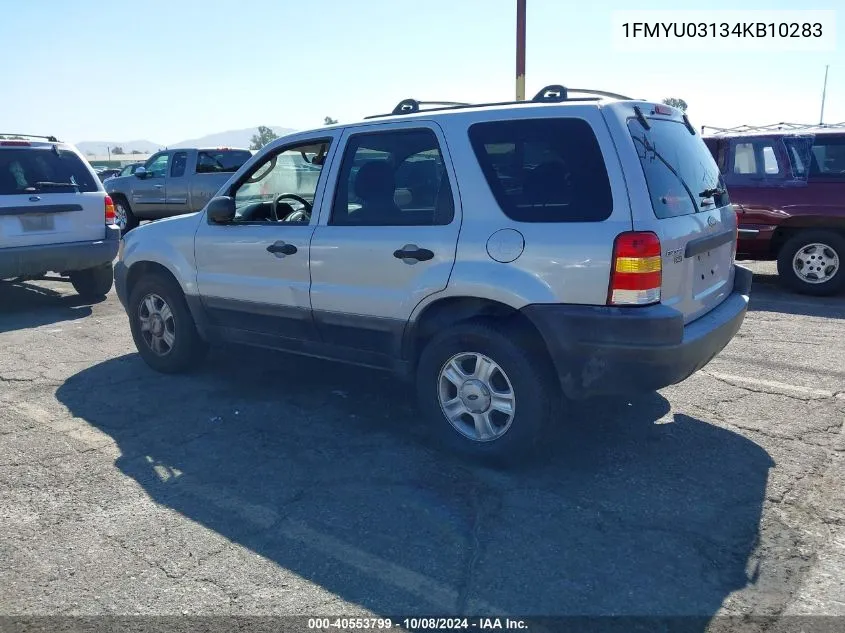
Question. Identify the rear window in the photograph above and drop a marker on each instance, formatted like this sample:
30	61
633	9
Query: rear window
28	170
544	170
222	161
680	172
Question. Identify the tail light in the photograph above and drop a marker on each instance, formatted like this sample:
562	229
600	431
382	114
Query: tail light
110	218
636	275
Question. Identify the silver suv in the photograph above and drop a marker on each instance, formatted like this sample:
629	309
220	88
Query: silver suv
499	255
55	215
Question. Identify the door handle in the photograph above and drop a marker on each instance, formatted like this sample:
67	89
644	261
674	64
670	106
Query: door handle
159	186
414	252
281	249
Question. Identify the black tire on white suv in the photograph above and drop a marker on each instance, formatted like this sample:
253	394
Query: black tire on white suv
800	254
515	373
93	283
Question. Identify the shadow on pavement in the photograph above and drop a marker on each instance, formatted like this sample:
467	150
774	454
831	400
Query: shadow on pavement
27	305
767	295
326	471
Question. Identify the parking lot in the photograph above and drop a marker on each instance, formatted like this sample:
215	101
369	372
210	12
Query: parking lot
267	484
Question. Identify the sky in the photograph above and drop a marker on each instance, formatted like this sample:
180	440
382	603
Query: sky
165	71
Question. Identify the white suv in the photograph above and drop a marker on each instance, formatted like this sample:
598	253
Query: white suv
55	215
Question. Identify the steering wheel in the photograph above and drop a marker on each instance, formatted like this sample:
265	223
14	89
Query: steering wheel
305	212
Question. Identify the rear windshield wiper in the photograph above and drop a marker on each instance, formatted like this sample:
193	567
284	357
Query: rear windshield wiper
711	193
648	147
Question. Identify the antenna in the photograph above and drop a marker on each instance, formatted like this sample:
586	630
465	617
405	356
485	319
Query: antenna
824	94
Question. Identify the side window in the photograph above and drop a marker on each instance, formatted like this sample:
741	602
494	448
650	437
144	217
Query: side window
395	178
828	157
221	161
157	166
744	160
281	188
544	170
770	161
177	168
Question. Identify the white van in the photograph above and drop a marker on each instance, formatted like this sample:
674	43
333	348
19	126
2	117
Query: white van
55	215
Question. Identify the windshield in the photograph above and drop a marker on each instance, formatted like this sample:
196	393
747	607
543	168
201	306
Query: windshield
27	170
681	174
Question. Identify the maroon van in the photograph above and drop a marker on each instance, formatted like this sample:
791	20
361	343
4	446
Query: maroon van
787	185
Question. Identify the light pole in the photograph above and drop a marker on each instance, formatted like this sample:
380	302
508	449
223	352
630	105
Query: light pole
108	149
520	50
824	95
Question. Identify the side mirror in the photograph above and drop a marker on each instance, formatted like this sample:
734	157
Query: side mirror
141	172
221	210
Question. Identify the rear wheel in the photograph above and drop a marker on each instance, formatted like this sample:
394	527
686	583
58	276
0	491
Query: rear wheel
484	396
162	325
123	216
93	283
812	262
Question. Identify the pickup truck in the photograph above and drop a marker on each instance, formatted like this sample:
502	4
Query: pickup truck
172	182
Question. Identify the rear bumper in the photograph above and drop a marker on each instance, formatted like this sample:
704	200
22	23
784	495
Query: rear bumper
606	350
22	261
755	241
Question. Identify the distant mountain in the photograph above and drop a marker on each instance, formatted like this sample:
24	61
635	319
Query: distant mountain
100	148
232	138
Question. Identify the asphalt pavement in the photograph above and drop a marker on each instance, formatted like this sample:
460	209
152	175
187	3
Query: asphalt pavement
270	484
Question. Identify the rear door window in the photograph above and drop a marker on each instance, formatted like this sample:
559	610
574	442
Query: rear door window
544	170
680	172
221	161
828	157
30	169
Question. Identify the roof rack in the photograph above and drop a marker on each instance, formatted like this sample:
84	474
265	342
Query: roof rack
772	127
7	136
550	94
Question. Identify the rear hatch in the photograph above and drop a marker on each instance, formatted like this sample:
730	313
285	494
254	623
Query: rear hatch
687	206
48	195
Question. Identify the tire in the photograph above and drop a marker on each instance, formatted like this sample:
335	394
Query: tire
93	283
800	248
528	378
123	216
182	347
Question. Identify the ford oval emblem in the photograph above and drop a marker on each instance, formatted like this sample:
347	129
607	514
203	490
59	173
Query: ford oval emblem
711	221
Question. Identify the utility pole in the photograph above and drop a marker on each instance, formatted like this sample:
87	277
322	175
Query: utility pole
824	94
520	50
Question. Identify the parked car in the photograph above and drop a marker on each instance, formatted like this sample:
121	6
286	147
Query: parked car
172	182
54	216
500	256
787	183
105	174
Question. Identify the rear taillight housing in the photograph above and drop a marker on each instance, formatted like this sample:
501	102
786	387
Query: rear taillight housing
109	210
637	270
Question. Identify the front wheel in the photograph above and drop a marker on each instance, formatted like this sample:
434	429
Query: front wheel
484	396
812	262
162	325
93	283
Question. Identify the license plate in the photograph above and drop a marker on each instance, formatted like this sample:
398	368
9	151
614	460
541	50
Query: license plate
32	223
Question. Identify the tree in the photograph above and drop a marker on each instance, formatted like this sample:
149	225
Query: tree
135	151
117	150
330	121
265	135
675	102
